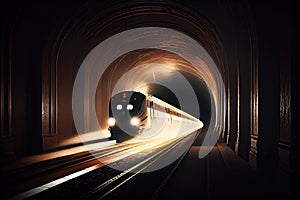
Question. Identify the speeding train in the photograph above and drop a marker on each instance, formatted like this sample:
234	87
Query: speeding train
131	112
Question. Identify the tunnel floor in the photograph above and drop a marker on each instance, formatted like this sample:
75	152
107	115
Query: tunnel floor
220	174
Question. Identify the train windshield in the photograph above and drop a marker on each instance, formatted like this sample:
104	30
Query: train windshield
130	101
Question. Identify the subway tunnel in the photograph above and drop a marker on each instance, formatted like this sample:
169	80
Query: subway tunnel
229	64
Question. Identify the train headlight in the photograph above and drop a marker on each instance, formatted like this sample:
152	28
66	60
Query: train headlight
134	121
111	121
201	124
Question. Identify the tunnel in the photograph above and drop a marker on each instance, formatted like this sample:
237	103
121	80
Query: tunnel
154	63
229	64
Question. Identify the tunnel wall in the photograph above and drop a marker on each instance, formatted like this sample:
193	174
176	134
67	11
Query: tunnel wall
275	59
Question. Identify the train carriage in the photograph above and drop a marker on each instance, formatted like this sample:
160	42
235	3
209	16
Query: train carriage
131	112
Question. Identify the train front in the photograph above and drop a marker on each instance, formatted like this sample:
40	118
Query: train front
127	115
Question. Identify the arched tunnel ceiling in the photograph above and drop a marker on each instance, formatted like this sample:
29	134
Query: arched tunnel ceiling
160	59
94	24
97	22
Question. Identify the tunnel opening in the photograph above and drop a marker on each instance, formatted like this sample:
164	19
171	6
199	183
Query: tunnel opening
149	66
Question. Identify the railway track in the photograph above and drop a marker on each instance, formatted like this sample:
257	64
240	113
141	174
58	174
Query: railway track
103	182
105	189
33	175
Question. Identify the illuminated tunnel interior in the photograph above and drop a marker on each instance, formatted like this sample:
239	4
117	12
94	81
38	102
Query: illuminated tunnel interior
142	57
229	64
204	68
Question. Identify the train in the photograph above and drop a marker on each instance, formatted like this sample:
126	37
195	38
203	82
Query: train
132	112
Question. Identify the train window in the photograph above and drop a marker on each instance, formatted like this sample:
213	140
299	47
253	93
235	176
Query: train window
129	107
119	107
